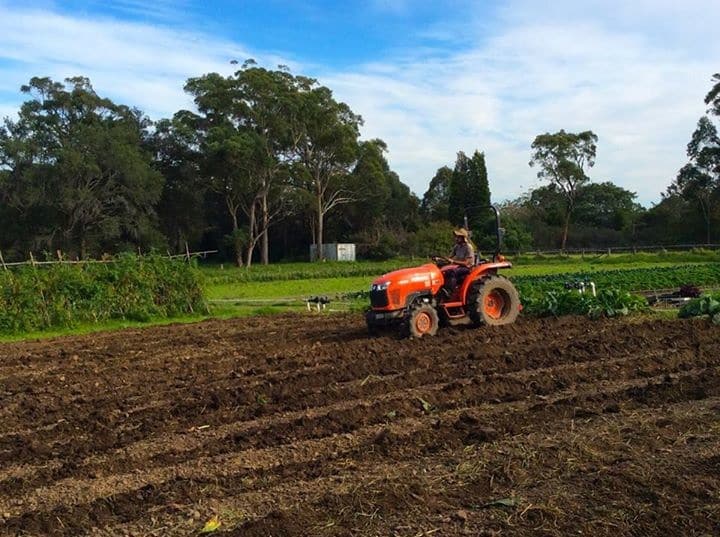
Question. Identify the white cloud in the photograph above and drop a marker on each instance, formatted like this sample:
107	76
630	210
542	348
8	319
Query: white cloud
640	94
135	63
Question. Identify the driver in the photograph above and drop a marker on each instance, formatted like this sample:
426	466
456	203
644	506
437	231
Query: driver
462	255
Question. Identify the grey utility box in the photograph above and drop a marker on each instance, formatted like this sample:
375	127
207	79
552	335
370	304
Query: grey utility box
334	252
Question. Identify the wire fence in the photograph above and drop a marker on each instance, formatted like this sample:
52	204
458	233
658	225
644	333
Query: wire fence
65	260
622	249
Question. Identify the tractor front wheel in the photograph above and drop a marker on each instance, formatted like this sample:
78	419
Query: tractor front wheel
421	321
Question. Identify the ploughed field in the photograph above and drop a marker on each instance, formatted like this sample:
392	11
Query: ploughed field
303	425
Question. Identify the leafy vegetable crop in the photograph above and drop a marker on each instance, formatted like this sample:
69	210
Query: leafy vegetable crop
626	280
705	305
607	303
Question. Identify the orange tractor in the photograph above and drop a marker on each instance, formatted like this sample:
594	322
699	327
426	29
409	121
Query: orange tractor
417	301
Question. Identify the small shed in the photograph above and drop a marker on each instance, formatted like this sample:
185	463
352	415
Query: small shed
334	251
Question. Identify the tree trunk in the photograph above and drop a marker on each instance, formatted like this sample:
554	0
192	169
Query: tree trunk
251	237
706	216
319	231
237	246
565	231
707	235
264	245
83	244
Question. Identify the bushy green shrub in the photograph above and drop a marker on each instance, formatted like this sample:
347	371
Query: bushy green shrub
129	287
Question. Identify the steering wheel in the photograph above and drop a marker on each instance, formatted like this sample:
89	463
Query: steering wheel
441	259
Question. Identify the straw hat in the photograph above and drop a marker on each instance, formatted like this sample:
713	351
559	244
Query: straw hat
462	232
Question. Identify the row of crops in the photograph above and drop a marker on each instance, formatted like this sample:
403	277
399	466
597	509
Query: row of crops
616	289
638	279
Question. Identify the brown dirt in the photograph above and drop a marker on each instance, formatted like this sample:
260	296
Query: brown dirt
301	425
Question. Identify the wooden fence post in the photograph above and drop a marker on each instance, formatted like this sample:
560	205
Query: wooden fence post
32	259
3	261
187	251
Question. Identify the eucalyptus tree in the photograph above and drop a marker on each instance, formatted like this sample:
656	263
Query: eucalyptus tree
325	136
245	148
181	208
561	158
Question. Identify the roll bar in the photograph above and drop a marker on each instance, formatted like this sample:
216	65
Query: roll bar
498	229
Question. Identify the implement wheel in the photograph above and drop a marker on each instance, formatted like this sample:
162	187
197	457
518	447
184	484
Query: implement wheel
495	301
422	321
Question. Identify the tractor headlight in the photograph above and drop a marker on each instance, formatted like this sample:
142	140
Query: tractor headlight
379	286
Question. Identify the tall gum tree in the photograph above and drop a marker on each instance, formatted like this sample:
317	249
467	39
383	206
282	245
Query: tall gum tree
247	144
266	107
561	158
325	137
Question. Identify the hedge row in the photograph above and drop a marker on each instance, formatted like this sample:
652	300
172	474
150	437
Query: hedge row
128	288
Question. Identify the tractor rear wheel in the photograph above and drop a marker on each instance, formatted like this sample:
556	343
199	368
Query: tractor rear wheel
421	321
494	301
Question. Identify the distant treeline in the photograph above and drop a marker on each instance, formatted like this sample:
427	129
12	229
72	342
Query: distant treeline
269	162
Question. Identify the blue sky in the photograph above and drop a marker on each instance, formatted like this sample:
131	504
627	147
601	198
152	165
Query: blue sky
429	77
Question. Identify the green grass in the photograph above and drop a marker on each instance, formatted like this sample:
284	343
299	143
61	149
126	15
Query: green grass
108	326
298	289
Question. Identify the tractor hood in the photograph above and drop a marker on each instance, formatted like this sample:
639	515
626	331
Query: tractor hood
417	278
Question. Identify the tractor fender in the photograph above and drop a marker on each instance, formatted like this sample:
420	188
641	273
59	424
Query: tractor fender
479	273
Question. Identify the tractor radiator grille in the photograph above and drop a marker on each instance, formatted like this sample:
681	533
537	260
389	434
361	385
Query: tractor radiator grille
378	299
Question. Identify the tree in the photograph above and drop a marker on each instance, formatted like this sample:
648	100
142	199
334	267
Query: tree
468	192
713	96
181	207
606	205
268	100
77	163
671	221
325	134
369	186
699	180
435	202
562	158
245	147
